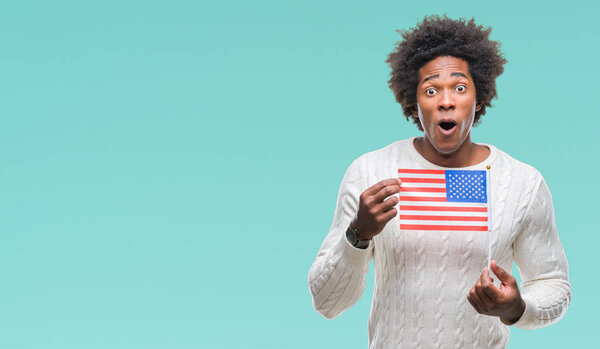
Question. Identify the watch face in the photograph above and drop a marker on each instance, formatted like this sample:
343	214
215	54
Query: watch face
351	236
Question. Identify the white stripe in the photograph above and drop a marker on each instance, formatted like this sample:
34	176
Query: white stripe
421	175
444	213
467	223
429	195
423	185
441	203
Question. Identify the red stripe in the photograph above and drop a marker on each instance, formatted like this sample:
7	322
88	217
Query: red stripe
423	180
443	218
442	227
425	190
421	198
404	170
442	208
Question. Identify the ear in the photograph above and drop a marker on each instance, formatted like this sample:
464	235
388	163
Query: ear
477	107
414	111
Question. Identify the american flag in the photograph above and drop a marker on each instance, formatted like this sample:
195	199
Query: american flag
444	200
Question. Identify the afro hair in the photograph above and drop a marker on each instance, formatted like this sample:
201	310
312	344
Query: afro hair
441	36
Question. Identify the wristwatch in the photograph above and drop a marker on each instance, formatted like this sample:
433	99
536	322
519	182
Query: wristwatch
354	239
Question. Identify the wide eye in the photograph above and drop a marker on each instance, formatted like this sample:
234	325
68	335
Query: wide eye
430	91
461	88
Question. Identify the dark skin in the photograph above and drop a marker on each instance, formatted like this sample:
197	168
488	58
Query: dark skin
446	93
374	210
504	302
446	105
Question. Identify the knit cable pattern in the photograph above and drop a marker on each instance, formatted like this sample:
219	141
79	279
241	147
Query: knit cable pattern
498	208
418	322
439	315
524	202
407	263
385	302
399	313
325	272
477	330
335	296
461	301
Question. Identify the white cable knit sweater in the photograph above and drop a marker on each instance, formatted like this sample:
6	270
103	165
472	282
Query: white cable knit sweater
422	278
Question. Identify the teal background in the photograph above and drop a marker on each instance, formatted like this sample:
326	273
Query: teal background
169	169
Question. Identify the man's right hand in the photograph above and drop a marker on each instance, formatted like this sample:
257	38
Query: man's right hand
374	211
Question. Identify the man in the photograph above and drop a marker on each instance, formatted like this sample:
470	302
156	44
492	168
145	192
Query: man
432	286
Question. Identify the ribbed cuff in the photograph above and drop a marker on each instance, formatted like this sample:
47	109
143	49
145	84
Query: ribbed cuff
353	255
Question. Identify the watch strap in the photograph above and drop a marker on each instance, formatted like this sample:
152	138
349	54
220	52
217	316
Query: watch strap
354	239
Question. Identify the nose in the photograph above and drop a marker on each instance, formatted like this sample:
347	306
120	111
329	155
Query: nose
446	101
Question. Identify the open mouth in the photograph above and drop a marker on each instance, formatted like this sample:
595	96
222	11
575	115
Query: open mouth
447	125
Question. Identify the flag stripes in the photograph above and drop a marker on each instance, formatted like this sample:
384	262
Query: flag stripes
443	200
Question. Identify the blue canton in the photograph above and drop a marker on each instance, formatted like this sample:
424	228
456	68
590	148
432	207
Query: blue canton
466	186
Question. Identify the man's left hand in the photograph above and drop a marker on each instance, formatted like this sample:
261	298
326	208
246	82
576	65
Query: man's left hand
504	302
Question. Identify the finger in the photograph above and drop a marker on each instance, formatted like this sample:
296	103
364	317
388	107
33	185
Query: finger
380	185
386	191
485	304
387	216
472	298
503	276
488	287
388	204
484	299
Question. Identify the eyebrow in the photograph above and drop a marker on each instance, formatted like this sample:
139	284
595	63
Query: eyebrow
435	76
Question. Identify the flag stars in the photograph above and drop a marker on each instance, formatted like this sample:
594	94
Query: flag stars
466	185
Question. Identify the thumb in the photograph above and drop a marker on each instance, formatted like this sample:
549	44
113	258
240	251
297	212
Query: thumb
502	275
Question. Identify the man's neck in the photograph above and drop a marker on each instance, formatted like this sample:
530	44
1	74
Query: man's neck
467	154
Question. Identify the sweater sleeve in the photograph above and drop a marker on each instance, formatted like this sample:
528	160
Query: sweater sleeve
542	264
337	277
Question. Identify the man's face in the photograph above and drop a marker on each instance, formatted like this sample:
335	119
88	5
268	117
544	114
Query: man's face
446	103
